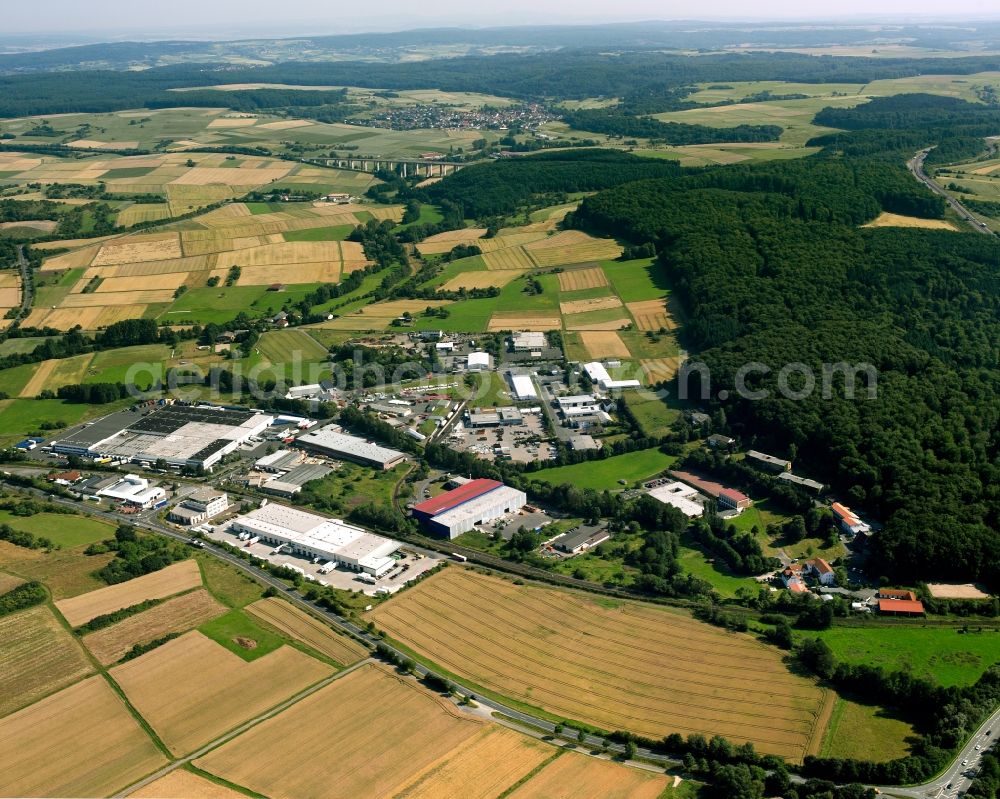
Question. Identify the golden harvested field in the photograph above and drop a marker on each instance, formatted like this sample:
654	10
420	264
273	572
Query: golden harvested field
382	729
39	378
10	280
69	243
575	253
328	272
651	315
72	259
37	657
524	321
482	280
595	304
191	689
116	298
233	122
300	625
81	741
659	369
143	212
180	784
109	316
482	767
632	667
591	277
464	236
885	219
601	344
379	315
151	247
175	615
575	776
509	258
170	280
8	582
503	240
157	585
298	252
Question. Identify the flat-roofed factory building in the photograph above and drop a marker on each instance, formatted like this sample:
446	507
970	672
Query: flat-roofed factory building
334	443
476	502
314	536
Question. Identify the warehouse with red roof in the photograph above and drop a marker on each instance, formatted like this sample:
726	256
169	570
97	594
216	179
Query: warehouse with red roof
477	502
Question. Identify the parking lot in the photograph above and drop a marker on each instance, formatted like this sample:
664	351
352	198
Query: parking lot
409	566
518	442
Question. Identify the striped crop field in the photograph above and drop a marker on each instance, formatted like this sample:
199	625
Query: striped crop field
629	666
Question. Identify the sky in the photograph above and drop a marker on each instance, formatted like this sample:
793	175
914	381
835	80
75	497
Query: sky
217	19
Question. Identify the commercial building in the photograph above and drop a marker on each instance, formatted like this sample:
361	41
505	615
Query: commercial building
847	520
479	362
182	436
767	463
597	373
282	460
334	443
680	496
134	491
290	483
528	341
581	442
199	507
477	502
523	387
577	401
812	486
313	536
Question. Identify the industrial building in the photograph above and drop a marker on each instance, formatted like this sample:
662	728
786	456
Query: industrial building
812	486
334	443
313	536
574	542
479	362
477	502
191	436
528	341
680	496
731	499
599	375
134	491
495	417
200	506
290	483
523	387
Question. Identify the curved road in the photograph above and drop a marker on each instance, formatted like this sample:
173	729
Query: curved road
916	166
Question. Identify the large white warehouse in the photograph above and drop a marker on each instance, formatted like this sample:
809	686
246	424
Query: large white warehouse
315	536
475	502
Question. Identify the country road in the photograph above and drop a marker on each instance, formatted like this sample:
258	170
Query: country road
916	166
951	783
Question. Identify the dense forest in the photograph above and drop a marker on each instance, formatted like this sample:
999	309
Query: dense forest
485	190
568	74
614	122
774	269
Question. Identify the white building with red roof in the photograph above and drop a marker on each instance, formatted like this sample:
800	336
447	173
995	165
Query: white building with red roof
476	502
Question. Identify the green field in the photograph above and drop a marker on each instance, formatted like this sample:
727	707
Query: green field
865	732
702	565
941	654
290	346
113	366
13	380
21	417
343	490
653	414
605	474
335	233
19	346
635	281
237	624
65	530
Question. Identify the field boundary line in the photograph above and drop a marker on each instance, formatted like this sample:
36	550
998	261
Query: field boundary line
239	730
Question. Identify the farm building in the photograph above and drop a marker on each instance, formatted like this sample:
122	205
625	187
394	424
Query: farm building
596	372
314	536
847	520
767	463
334	443
719	441
678	495
181	435
134	491
477	502
896	593
731	499
523	387
812	486
199	506
528	341
479	362
900	607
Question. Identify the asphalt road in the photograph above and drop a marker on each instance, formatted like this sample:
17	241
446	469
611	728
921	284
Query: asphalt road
916	166
953	781
26	284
